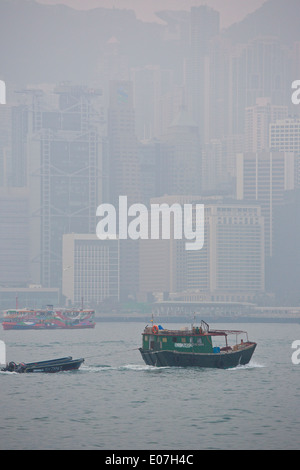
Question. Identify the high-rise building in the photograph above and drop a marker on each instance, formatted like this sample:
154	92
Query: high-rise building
229	267
124	172
285	272
64	177
285	137
162	262
91	269
180	164
261	68
215	172
264	177
14	237
205	24
150	84
122	144
19	132
5	145
257	125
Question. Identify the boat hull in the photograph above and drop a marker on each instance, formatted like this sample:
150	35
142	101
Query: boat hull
56	365
222	360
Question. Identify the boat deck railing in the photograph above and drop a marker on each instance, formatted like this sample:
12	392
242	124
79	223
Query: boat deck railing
191	332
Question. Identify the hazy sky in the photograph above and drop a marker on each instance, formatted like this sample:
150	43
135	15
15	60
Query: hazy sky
230	10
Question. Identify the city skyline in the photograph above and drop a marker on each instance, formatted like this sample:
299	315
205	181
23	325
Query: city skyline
231	11
177	113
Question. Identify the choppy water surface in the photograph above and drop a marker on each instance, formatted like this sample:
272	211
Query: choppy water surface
117	402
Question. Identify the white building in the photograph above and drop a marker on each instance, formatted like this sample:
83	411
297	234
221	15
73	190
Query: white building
91	269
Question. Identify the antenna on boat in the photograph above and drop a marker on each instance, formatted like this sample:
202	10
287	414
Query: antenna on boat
152	319
194	320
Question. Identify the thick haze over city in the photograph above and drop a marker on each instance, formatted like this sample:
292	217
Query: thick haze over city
157	102
231	11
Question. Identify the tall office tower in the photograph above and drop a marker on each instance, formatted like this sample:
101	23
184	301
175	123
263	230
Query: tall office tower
180	165
205	24
258	69
257	124
14	237
64	176
170	105
5	145
264	177
229	267
91	271
20	116
124	173
215	174
150	84
162	262
285	272
112	65
149	169
285	137
216	119
296	60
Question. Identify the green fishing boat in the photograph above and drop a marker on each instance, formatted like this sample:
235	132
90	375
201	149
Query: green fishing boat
195	347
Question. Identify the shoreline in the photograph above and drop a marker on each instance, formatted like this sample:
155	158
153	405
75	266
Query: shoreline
146	318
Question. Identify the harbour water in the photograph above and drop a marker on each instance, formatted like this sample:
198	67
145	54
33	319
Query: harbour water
116	402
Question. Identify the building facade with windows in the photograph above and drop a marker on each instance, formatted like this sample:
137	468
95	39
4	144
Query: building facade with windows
91	269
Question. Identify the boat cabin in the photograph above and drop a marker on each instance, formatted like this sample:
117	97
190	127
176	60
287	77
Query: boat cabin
197	339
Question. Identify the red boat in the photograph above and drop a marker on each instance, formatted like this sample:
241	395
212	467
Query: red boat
48	319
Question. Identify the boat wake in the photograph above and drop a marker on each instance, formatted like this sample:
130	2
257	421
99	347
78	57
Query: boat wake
6	372
125	367
250	365
143	368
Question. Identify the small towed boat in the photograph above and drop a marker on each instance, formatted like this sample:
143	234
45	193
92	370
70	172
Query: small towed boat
54	365
194	347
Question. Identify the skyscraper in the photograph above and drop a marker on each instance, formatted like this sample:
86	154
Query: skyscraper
124	172
205	24
14	237
261	68
229	267
285	137
257	125
91	269
65	178
122	144
264	177
181	157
